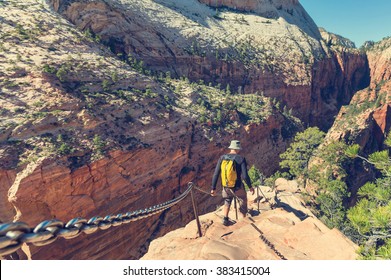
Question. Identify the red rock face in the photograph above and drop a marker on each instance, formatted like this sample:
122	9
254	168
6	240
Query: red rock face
7	177
382	117
375	121
380	67
127	181
369	127
334	82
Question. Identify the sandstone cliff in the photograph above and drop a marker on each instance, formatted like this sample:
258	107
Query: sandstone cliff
332	39
290	230
291	10
276	49
367	119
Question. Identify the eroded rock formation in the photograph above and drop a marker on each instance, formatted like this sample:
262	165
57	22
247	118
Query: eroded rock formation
367	119
369	107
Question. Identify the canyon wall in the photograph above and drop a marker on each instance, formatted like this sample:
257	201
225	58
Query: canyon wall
312	79
370	105
367	119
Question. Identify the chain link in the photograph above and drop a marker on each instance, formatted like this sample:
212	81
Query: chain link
13	235
204	192
266	241
272	247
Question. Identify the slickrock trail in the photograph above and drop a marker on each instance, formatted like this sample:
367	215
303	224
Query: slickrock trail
290	231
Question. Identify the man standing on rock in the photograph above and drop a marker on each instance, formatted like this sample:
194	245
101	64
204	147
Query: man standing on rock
233	169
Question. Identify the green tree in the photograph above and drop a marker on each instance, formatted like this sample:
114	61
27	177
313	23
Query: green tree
255	175
49	69
328	172
330	162
99	144
296	158
228	90
219	116
371	216
168	76
114	76
330	201
105	85
63	147
270	181
62	72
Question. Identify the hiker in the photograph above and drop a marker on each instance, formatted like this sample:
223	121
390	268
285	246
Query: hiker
233	169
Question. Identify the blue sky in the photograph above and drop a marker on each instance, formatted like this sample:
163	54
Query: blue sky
357	20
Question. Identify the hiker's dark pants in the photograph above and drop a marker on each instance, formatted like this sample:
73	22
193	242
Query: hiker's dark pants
228	195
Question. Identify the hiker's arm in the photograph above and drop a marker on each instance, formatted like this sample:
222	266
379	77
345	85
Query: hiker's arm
245	176
216	175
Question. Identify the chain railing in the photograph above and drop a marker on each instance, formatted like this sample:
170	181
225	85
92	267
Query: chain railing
13	235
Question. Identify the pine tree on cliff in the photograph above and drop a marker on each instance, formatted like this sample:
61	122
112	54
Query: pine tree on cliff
299	153
328	172
371	216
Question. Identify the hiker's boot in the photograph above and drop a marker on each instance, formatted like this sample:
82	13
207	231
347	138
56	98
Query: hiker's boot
225	221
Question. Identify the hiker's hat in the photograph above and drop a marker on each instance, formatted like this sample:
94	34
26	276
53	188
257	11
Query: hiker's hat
235	145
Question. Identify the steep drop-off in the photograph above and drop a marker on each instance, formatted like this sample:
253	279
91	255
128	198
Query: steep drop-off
367	119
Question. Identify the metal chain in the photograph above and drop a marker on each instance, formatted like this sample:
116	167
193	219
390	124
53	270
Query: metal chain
240	201
219	195
267	242
201	190
232	193
13	235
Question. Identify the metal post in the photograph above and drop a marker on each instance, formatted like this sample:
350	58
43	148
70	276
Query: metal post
258	199
236	208
196	214
271	206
